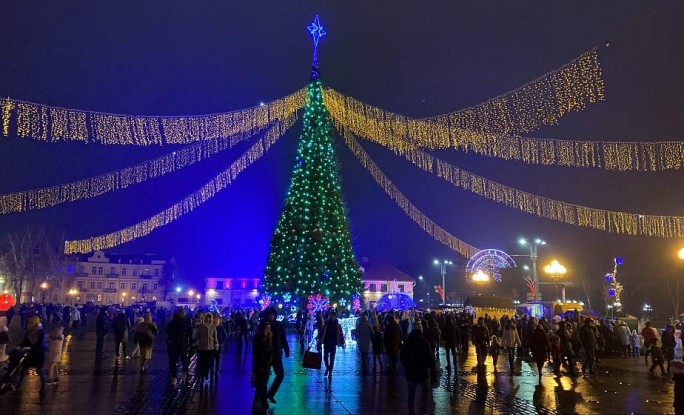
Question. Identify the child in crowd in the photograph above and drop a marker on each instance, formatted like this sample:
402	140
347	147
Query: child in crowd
55	341
377	348
635	339
494	346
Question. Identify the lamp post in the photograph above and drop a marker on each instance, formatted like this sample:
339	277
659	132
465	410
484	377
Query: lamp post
43	287
556	270
533	256
443	267
422	280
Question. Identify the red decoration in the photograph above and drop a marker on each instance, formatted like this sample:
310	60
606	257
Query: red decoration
533	290
6	301
440	291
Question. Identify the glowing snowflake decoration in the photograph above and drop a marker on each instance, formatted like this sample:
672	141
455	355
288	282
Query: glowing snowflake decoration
317	303
287	297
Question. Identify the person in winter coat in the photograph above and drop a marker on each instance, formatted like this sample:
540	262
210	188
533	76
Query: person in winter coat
101	329
668	343
364	336
75	317
588	339
147	331
178	342
56	341
555	351
624	338
262	356
658	358
566	346
510	341
121	327
392	341
450	337
419	363
206	342
280	346
331	338
481	342
378	343
540	348
463	331
494	349
649	334
34	340
635	339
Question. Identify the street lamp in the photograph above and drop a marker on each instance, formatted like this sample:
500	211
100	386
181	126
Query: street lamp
480	277
556	270
72	292
533	256
681	253
123	297
443	267
43	287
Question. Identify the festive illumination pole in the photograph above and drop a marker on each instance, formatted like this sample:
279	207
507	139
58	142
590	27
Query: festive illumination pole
310	252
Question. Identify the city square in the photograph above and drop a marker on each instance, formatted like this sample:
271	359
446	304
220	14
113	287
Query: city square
358	208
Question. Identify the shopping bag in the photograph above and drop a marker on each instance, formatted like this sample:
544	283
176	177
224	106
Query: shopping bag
312	360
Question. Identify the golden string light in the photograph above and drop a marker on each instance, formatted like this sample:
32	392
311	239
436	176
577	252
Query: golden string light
53	124
119	179
626	223
186	205
429	226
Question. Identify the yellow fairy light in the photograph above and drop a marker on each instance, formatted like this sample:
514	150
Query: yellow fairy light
189	203
430	227
600	219
46	123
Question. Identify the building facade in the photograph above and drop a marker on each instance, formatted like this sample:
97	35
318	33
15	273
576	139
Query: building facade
380	278
232	292
108	278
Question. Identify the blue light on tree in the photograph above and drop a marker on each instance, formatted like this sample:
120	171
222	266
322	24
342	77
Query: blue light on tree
619	260
396	301
287	297
316	30
611	292
609	278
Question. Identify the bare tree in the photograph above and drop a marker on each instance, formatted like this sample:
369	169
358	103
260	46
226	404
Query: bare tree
672	285
31	256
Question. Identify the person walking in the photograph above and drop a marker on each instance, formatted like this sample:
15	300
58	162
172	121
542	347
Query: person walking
588	338
635	339
101	329
463	331
206	342
121	326
658	358
667	340
480	335
55	341
364	338
567	350
450	336
136	338
649	334
419	364
332	337
147	331
392	338
34	340
262	355
179	339
494	349
280	345
624	338
378	345
539	345
75	316
511	341
221	335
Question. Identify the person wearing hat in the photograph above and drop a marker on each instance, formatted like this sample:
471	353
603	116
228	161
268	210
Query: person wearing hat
34	341
121	327
280	345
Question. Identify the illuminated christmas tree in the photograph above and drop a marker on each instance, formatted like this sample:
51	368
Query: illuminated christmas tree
311	249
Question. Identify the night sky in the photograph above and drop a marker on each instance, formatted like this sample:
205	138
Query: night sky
414	58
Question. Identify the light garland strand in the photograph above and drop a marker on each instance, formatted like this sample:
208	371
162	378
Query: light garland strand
626	223
186	205
429	226
401	133
54	124
119	179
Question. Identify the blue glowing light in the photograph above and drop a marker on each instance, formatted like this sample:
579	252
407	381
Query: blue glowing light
316	30
611	292
609	278
619	261
178	289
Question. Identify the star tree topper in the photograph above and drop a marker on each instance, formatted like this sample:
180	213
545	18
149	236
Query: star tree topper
316	30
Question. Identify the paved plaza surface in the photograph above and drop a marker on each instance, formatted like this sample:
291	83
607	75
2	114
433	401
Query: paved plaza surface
108	386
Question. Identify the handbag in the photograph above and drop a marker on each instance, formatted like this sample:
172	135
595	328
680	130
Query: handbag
312	360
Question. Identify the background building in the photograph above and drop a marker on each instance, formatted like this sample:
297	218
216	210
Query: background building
107	278
379	278
232	292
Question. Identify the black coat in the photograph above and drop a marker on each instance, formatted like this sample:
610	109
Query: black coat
417	358
179	333
121	326
36	342
101	324
279	340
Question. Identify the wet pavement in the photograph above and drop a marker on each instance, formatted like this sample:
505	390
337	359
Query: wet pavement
87	386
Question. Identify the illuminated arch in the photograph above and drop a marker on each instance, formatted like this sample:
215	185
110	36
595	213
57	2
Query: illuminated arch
490	261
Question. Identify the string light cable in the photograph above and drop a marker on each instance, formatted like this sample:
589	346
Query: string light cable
626	223
48	123
120	179
428	225
187	204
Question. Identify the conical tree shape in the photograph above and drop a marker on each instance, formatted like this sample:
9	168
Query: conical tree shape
311	249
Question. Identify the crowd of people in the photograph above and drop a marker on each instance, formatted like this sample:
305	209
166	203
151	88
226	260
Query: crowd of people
385	341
